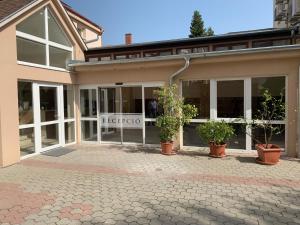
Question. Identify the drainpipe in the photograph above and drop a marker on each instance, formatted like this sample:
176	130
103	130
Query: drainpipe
185	67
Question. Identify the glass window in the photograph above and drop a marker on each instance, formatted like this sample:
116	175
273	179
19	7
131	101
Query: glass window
34	25
222	48
133	135
88	103
56	34
276	86
165	53
48	104
68	101
268	43
238	141
93	59
236	47
89	130
49	135
198	93
200	50
152	133
69	132
191	137
133	56
120	56
30	51
105	58
230	99
259	135
59	57
26	137
184	51
25	103
152	109
132	100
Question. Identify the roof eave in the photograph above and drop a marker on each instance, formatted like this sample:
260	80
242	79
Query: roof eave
192	56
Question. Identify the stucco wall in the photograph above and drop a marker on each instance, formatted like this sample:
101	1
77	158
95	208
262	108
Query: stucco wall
10	73
253	65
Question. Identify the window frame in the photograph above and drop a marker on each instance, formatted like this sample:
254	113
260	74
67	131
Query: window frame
47	43
247	105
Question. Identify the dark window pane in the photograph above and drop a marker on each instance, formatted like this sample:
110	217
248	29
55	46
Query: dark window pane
69	132
49	135
25	103
88	103
48	104
152	133
89	130
238	141
230	99
30	51
191	137
259	137
68	102
132	100
276	86
133	135
152	109
27	145
198	93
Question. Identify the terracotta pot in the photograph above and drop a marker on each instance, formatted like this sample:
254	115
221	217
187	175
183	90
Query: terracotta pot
167	148
268	155
217	151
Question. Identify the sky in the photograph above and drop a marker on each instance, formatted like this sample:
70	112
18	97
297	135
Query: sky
155	20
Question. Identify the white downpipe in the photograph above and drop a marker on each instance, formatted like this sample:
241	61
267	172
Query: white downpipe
186	65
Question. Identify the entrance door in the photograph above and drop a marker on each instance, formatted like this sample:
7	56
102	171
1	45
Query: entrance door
110	105
50	117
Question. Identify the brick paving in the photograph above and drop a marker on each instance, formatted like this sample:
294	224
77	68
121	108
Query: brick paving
129	185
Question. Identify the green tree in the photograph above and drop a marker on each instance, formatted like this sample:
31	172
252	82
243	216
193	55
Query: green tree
197	27
210	32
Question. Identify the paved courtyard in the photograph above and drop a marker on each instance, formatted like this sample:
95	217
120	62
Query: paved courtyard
87	185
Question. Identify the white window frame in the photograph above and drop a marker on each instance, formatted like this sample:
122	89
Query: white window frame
97	119
47	44
37	124
247	105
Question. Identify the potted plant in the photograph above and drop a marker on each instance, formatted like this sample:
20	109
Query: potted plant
216	133
175	114
272	109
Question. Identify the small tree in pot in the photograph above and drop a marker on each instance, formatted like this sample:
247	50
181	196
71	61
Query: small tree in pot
216	134
272	108
175	114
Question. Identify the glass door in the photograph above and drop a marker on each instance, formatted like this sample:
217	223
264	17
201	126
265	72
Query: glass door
50	115
110	112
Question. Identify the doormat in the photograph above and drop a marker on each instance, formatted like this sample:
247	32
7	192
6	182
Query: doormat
58	152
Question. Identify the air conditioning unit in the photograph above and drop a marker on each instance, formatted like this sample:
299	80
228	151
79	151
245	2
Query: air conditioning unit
295	7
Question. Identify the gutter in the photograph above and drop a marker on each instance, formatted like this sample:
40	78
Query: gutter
93	40
191	56
185	67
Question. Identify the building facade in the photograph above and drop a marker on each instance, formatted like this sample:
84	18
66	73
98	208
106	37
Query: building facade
56	92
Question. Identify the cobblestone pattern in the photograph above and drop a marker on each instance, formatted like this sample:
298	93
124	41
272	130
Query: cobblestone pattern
127	185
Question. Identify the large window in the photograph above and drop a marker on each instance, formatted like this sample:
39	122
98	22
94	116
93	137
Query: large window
41	41
230	100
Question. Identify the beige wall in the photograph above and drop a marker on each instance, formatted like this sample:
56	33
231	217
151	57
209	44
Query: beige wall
253	65
10	73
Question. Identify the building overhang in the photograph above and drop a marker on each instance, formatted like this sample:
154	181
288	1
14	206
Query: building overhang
287	51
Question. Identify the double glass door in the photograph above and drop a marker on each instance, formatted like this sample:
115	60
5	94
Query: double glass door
118	105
